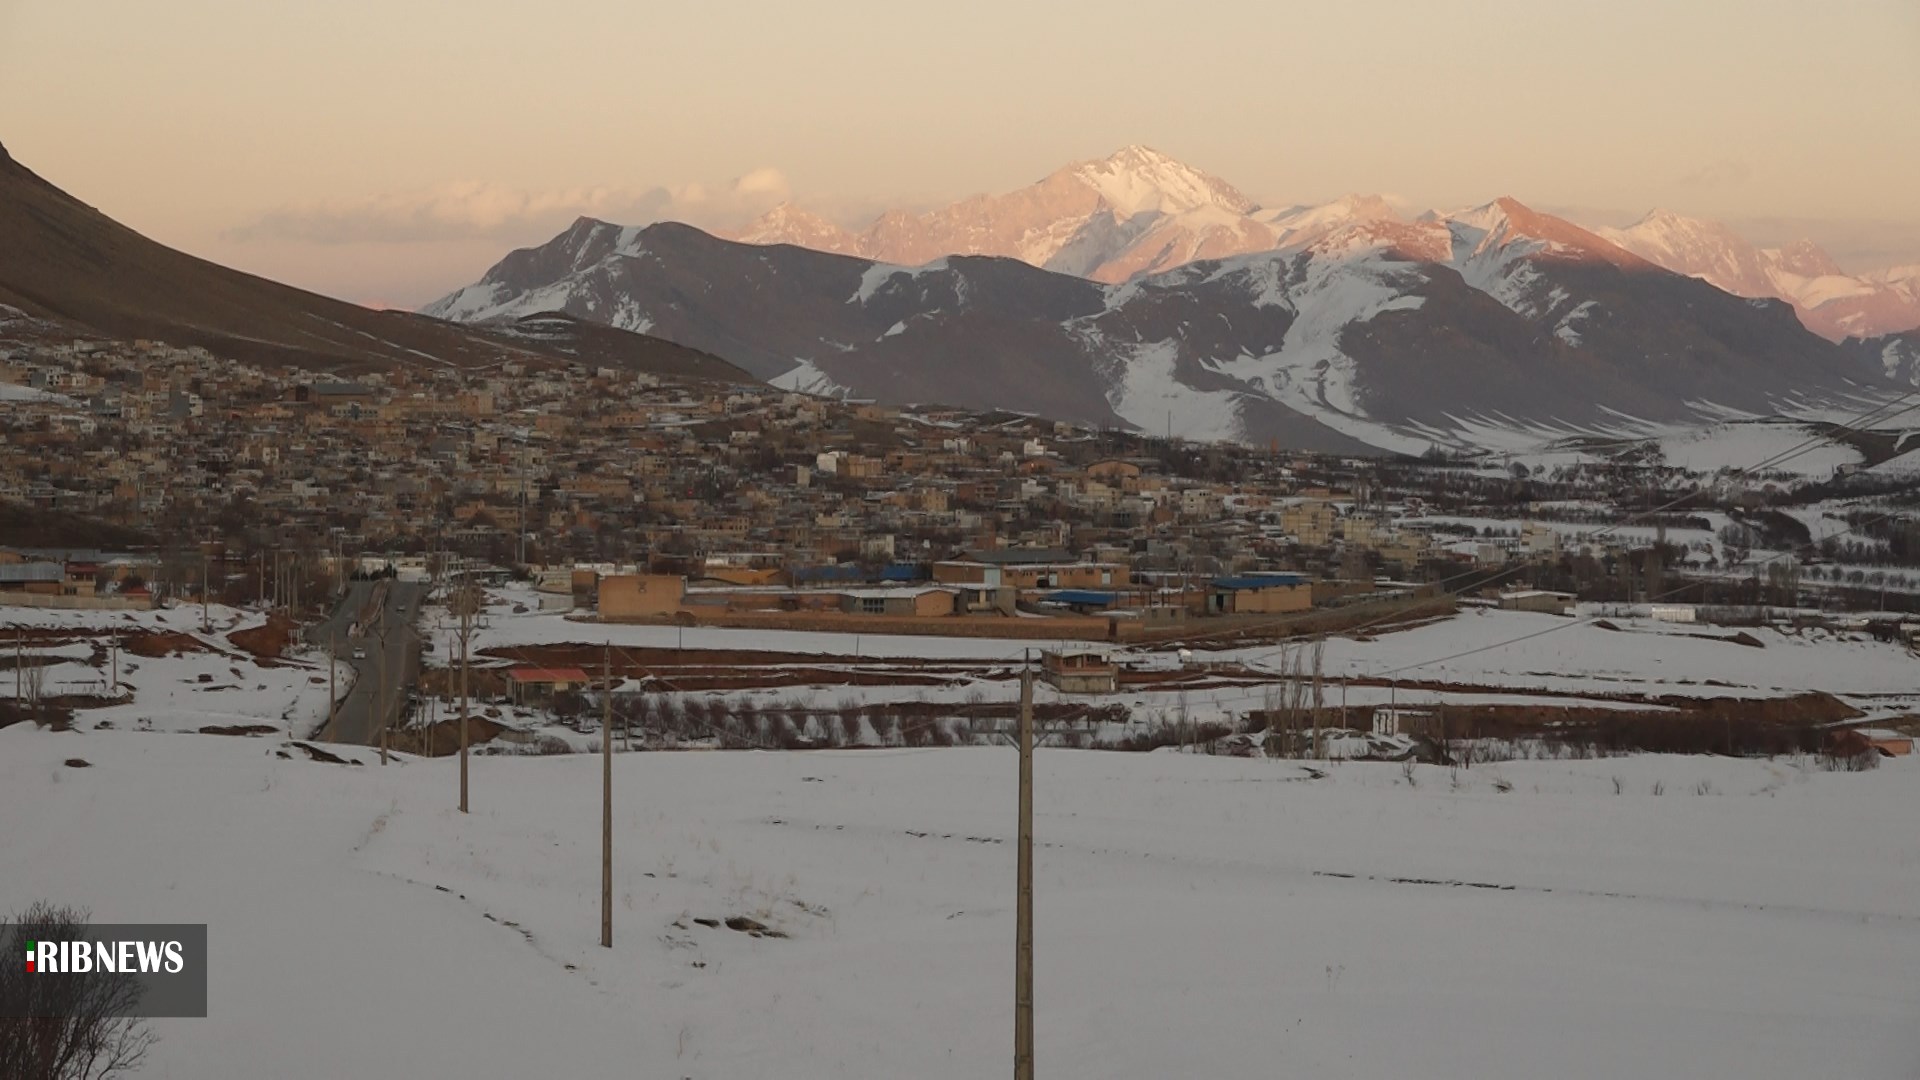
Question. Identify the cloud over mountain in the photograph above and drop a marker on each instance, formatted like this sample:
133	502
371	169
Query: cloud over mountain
469	210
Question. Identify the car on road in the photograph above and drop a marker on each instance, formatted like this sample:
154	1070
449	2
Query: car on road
359	654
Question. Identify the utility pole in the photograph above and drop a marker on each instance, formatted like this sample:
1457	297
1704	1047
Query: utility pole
1023	929
332	644
380	685
464	603
606	805
1318	749
19	666
113	652
206	590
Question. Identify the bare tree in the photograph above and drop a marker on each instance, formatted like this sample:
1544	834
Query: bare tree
33	688
69	1028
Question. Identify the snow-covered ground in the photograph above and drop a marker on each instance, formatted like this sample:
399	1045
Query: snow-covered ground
1528	650
1196	917
1784	448
501	628
215	683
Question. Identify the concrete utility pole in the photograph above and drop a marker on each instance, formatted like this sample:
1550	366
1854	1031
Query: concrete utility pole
206	590
1023	926
606	804
19	666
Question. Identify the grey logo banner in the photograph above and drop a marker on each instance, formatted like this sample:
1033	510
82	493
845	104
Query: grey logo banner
103	969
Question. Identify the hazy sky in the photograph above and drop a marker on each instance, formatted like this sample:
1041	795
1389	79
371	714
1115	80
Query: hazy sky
390	150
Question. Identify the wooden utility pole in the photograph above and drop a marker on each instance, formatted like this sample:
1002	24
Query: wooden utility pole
113	652
464	604
606	804
1317	747
1023	925
332	695
380	685
206	590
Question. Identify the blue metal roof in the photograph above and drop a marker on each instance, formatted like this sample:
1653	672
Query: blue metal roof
1260	581
904	572
1085	597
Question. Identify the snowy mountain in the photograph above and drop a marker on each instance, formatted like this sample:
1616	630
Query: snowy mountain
1831	302
1896	357
1140	212
788	224
1458	329
1135	212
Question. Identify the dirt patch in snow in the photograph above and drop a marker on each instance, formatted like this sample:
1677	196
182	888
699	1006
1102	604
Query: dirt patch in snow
268	640
239	729
155	644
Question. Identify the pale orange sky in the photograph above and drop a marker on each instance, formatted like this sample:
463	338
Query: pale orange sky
393	149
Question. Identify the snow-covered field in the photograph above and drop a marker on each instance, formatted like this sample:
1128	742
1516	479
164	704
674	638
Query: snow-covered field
1782	447
217	683
1528	650
1195	916
1489	656
501	628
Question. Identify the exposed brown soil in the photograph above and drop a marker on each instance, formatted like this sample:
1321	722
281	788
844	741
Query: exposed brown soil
1372	618
443	737
1684	725
154	644
320	755
238	729
268	640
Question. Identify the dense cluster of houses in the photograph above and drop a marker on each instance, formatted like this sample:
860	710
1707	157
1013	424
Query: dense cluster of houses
58	578
725	497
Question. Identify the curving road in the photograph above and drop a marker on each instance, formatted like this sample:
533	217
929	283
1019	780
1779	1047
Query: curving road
386	612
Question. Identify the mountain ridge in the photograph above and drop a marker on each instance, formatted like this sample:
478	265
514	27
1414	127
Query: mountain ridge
1403	336
71	264
1829	301
1139	212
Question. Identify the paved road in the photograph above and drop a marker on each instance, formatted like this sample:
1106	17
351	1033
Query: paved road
390	664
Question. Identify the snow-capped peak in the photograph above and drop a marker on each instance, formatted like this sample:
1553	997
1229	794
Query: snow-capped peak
1807	259
1139	179
789	224
1297	226
1506	221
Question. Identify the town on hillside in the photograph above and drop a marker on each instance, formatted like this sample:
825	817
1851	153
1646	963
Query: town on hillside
143	477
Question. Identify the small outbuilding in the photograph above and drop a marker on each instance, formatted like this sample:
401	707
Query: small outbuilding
1541	600
1259	594
532	685
1080	669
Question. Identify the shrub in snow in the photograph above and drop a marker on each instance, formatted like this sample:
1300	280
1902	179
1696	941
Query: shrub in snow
76	1037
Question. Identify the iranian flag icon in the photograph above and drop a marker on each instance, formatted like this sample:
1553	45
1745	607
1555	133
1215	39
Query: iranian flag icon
30	956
